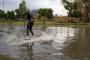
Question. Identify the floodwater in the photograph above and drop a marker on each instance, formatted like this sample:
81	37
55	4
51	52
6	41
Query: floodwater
67	44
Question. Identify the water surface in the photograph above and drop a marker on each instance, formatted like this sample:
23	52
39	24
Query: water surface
67	44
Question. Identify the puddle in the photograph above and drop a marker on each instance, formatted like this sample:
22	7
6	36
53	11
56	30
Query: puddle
67	44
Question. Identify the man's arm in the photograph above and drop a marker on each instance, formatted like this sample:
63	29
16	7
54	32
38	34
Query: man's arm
32	17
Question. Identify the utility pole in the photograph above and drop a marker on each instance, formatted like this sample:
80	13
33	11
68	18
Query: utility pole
3	11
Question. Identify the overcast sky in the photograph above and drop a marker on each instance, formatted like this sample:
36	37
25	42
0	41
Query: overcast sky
56	5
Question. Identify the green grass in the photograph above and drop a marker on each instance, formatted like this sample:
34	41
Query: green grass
4	57
47	24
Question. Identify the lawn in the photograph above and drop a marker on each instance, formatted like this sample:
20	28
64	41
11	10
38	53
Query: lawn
42	23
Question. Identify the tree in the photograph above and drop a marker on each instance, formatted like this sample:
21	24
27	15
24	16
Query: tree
72	8
45	12
86	6
17	13
10	14
22	8
2	14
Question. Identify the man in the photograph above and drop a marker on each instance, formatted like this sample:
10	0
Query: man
30	23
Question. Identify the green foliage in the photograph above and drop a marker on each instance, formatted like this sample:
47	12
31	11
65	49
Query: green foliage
7	15
72	8
74	14
10	14
22	9
45	12
2	14
17	13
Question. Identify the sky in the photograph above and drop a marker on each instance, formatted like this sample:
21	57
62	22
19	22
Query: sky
56	5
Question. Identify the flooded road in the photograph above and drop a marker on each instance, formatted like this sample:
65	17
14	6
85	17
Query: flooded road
67	44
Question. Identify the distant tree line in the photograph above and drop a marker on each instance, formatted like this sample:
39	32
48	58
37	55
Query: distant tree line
7	15
14	14
46	12
78	8
17	13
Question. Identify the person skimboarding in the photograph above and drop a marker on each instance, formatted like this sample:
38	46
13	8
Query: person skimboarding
30	23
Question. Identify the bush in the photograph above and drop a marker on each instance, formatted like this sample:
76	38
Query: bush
63	19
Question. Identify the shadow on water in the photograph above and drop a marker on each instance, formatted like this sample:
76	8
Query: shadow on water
68	44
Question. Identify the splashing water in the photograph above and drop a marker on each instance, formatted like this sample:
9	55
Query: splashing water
11	39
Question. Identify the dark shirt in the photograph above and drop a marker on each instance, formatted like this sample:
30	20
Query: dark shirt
29	17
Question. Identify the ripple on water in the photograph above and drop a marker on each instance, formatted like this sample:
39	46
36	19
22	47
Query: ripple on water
36	51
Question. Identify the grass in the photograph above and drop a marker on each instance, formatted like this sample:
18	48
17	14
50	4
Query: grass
47	24
4	57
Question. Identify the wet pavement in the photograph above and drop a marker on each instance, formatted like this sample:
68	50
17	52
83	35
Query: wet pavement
68	44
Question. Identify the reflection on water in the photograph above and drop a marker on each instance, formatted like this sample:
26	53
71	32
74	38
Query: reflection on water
79	49
68	44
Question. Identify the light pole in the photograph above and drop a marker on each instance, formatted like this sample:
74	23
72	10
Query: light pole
3	11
